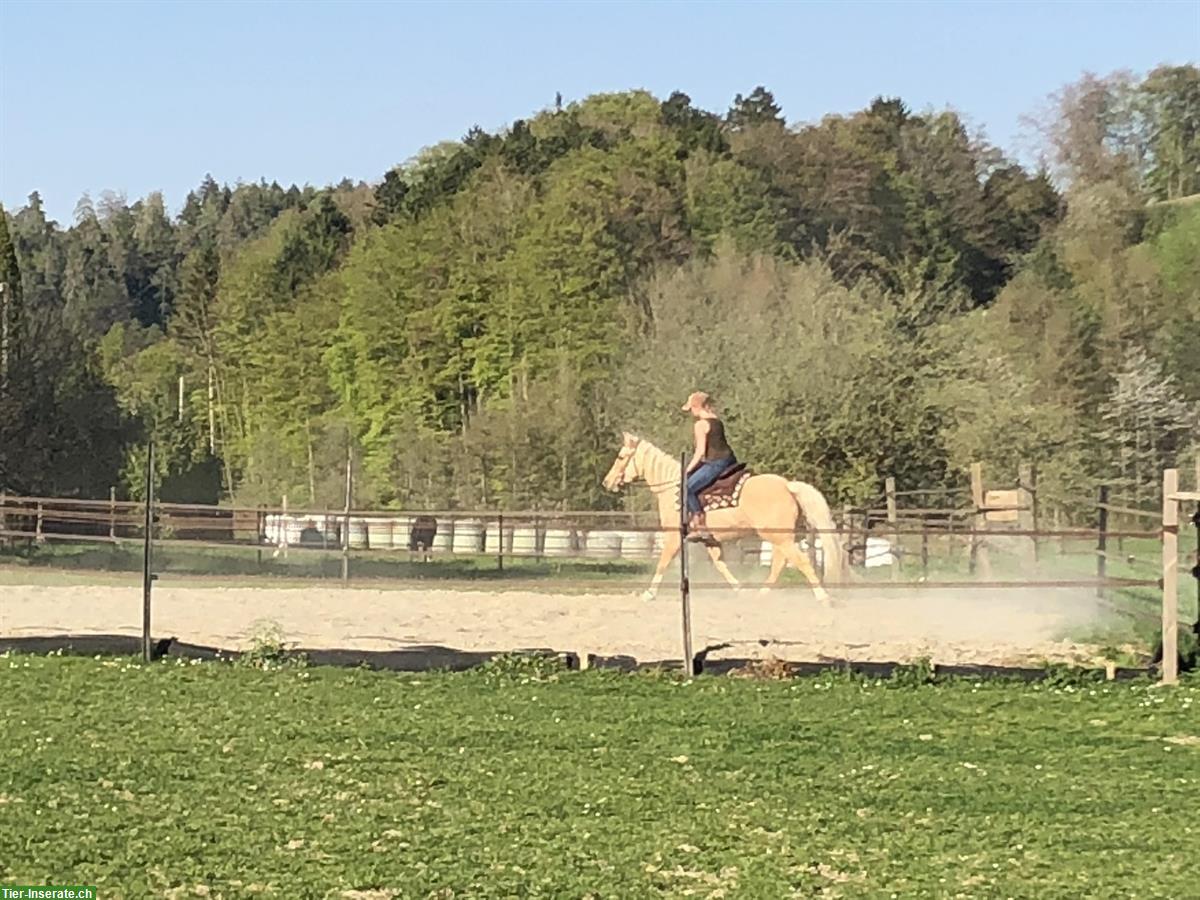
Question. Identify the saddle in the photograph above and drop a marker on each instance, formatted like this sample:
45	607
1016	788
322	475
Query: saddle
725	492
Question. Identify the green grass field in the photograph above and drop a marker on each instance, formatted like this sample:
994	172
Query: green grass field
517	780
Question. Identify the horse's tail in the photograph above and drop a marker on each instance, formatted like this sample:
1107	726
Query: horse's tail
816	511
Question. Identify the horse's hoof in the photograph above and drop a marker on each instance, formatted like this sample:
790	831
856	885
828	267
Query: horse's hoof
822	597
647	596
763	591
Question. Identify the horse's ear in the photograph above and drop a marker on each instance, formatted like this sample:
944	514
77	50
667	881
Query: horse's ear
630	440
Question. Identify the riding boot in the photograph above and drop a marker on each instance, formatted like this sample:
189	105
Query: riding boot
698	529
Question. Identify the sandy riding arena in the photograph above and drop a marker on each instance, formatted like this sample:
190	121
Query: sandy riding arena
979	626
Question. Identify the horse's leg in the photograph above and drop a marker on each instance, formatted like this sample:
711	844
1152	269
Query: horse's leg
670	548
799	559
778	561
714	553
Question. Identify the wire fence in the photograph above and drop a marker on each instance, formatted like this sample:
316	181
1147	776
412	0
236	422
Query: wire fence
986	553
925	546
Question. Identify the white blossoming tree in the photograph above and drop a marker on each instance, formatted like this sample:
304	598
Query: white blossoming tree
1148	424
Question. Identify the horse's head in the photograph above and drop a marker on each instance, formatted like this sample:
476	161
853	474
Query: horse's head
624	468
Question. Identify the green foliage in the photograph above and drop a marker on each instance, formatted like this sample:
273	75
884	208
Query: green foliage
726	199
520	669
1013	417
10	302
10	272
62	432
696	129
1059	675
757	109
1176	251
918	673
1189	649
837	394
873	294
268	650
1169	103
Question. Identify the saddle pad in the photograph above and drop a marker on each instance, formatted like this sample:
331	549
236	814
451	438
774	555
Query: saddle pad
726	490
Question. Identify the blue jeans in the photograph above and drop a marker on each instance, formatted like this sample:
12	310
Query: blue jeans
705	475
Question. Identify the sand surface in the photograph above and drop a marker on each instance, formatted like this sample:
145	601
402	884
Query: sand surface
1002	627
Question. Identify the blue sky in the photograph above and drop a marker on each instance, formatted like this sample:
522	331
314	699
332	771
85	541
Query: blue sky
135	97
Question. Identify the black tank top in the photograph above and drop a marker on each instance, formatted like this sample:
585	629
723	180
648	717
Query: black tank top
717	446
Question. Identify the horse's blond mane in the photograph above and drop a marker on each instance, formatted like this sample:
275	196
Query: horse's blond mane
658	468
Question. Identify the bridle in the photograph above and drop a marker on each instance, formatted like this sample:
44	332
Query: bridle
624	456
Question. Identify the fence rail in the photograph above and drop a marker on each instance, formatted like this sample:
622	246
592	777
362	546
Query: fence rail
1130	511
949	542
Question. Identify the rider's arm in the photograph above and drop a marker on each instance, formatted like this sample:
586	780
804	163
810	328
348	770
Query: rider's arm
701	431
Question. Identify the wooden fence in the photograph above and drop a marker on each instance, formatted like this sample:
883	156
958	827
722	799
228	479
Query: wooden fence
966	524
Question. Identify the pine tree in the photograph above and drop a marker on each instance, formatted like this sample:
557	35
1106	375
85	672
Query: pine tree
10	302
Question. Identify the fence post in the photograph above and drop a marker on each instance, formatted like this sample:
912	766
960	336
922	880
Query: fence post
685	594
979	555
817	562
283	527
1170	578
37	531
346	518
500	542
112	514
889	487
147	550
1027	511
848	530
3	517
1102	540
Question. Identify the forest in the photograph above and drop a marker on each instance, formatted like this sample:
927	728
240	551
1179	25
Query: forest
877	294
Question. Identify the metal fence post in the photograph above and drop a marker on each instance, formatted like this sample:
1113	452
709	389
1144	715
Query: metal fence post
685	594
147	550
1102	540
346	519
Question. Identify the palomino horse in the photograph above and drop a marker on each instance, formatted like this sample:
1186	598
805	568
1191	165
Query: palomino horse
769	506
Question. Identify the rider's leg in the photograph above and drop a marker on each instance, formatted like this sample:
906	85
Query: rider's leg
704	475
696	482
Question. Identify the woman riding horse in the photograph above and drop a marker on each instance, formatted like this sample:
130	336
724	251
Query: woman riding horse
713	457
